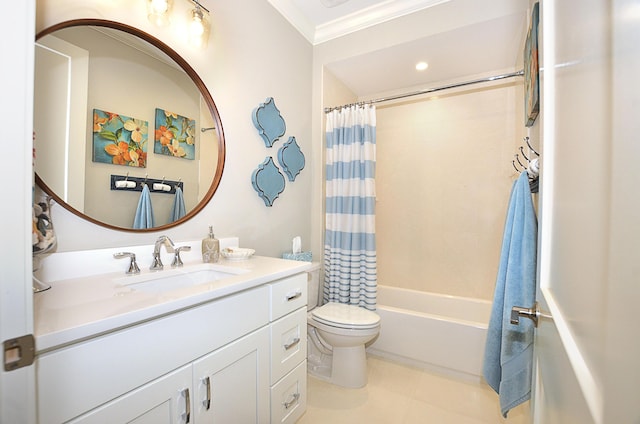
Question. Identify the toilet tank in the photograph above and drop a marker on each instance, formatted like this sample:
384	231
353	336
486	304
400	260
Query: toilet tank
314	287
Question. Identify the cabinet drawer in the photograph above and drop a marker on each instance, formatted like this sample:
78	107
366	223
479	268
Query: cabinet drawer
289	396
288	343
287	295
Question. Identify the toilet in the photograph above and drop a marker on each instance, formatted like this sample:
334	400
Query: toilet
336	337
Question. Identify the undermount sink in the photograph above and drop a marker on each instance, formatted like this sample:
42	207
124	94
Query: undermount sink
172	279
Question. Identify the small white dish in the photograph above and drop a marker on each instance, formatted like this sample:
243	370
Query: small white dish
237	253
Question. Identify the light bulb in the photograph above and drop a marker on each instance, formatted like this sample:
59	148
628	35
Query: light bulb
158	11
159	6
198	28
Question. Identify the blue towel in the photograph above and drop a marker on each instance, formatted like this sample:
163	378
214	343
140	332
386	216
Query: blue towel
144	212
178	209
509	348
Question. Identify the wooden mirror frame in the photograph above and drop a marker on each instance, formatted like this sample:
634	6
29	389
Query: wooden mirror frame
199	85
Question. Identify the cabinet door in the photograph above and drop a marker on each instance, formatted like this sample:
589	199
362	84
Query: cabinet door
167	400
232	383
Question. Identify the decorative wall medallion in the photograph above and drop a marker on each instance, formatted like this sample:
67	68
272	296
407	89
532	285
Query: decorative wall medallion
291	158
268	181
269	122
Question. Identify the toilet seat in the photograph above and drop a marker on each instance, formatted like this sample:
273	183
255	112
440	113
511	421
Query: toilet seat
345	316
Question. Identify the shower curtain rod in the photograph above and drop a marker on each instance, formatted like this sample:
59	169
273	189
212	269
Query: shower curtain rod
431	90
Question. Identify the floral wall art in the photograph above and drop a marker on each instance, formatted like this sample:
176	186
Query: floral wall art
119	139
175	135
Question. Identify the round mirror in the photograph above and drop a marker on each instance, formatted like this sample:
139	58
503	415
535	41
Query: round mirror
115	111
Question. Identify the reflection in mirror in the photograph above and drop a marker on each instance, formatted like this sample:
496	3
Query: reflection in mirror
99	69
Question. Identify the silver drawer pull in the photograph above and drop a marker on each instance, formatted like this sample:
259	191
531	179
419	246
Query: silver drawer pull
293	401
207	402
293	296
187	406
292	344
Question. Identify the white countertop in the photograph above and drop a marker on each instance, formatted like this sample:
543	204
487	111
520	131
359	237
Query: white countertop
82	307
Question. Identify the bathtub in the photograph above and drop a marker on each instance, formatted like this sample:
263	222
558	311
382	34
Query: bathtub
433	331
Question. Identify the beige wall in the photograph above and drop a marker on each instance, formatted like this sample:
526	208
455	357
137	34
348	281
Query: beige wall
468	139
253	53
445	17
443	179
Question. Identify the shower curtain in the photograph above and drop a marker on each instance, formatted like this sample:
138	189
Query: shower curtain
350	262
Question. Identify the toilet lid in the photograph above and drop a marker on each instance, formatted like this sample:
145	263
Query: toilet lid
338	314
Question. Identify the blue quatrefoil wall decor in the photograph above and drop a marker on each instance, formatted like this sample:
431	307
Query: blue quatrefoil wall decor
268	181
269	122
291	158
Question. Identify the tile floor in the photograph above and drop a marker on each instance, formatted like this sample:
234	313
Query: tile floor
401	394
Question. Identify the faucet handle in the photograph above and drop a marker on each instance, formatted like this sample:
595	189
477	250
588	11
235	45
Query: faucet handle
177	260
133	265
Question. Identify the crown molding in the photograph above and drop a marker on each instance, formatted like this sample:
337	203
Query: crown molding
370	16
353	22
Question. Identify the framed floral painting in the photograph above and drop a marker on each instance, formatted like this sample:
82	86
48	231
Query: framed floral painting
175	135
119	139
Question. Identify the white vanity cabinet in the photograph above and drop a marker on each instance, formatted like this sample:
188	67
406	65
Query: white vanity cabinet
213	362
288	349
226	386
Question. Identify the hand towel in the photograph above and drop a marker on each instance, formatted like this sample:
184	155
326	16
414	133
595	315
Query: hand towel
509	348
144	212
178	209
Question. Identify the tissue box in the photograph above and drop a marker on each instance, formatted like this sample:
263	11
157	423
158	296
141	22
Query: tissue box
302	256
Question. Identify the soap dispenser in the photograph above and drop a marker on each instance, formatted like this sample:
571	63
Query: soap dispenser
210	247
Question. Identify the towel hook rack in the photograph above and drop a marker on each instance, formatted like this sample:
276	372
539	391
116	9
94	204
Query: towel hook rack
525	156
513	162
156	185
526	139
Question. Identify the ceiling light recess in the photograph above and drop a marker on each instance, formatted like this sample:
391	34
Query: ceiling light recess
421	66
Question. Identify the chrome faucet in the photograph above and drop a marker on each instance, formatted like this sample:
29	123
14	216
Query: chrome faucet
168	244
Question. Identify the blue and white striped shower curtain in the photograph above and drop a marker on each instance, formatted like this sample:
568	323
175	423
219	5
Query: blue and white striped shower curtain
350	262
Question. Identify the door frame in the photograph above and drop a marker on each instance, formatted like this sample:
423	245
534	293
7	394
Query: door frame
17	388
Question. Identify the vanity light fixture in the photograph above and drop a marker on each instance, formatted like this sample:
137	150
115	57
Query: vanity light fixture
158	11
199	25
